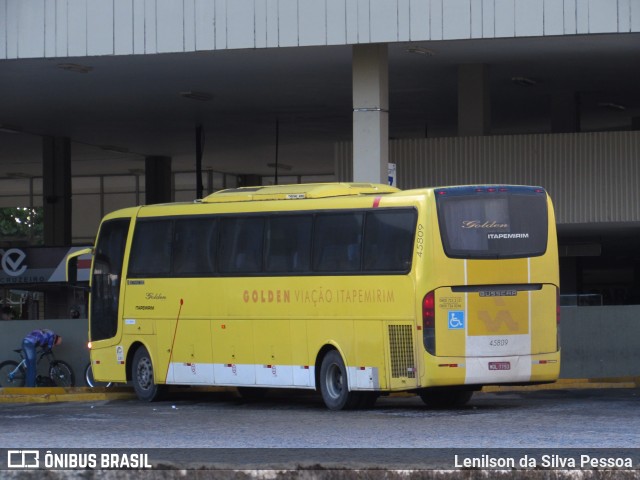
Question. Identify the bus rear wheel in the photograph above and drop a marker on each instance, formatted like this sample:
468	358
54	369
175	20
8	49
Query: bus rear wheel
445	397
143	377
334	386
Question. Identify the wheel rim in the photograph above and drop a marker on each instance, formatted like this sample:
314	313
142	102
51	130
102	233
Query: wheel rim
88	376
145	373
334	381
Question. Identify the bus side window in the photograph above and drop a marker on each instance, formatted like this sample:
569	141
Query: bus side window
241	245
151	249
388	240
288	243
194	246
337	244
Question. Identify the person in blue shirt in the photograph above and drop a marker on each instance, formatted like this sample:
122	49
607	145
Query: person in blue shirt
46	339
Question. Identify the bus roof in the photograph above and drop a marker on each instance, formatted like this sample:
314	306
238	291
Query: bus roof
297	192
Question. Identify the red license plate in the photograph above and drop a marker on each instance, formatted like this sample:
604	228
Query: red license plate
499	365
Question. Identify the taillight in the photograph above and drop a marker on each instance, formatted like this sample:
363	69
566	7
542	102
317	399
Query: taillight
429	322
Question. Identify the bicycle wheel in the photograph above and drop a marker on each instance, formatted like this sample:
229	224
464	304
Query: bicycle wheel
61	374
92	382
11	375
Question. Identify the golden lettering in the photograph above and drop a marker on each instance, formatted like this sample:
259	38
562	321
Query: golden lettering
486	224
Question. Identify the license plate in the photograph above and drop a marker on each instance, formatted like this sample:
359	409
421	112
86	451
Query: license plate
499	365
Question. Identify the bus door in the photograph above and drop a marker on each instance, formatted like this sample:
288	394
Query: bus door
105	299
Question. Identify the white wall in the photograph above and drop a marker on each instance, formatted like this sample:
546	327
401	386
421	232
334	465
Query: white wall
68	28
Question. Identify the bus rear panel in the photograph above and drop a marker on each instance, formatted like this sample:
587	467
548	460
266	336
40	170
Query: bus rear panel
494	319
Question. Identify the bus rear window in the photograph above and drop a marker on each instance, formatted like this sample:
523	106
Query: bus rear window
478	223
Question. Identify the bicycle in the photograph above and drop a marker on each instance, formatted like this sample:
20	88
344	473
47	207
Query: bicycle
14	374
88	377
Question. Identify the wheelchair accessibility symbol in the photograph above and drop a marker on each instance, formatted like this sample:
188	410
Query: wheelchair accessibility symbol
456	320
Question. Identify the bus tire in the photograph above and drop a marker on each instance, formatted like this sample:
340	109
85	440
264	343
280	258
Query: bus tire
334	386
441	398
143	377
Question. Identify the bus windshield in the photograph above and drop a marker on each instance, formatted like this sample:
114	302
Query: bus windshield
493	222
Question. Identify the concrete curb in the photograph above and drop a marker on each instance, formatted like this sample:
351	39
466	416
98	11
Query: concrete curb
84	394
571	383
62	394
88	394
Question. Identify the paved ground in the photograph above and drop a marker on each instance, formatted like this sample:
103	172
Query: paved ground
293	430
562	418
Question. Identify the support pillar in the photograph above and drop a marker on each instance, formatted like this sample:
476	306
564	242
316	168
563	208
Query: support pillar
474	100
157	179
370	113
56	173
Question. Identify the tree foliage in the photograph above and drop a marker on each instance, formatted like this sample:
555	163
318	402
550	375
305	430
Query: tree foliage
22	224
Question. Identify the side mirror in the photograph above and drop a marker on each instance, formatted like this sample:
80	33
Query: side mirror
72	264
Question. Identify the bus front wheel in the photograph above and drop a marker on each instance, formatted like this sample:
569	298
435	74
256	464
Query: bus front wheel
143	377
334	386
445	397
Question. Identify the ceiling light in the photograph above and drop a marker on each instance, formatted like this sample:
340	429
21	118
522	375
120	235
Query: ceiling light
10	128
612	106
201	96
74	67
524	81
280	166
421	51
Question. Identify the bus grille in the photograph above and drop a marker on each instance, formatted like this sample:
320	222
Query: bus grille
401	346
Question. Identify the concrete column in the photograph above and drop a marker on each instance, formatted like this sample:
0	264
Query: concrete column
56	173
157	179
370	113
474	101
565	112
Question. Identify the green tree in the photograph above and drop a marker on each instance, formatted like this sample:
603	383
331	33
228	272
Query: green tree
22	224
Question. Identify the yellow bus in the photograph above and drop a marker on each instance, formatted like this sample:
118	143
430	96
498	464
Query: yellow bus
355	290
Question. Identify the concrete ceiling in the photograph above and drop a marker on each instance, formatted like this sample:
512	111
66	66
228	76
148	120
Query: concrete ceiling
133	102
